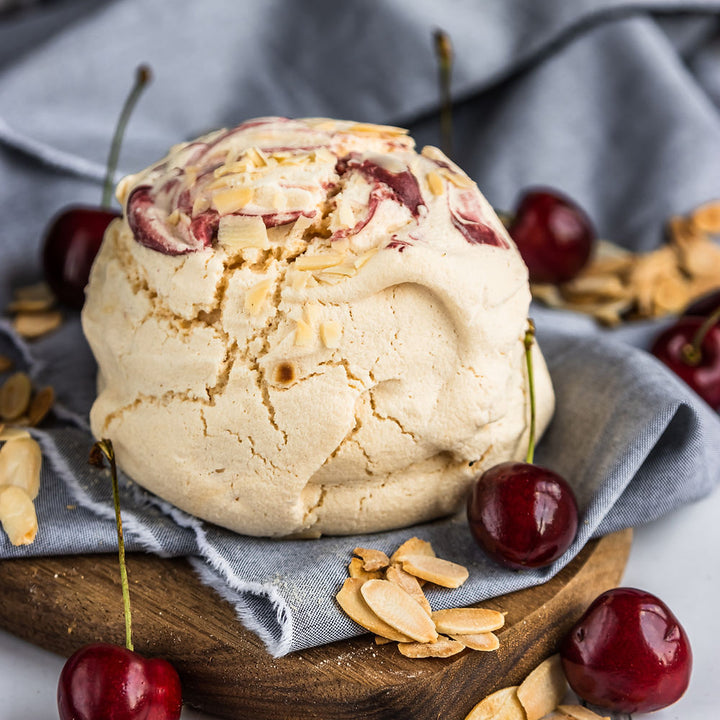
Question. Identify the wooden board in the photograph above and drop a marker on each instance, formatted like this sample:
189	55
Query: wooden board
63	603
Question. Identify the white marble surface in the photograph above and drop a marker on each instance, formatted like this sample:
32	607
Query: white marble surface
675	558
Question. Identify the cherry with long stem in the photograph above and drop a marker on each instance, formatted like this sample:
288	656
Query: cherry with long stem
692	352
74	236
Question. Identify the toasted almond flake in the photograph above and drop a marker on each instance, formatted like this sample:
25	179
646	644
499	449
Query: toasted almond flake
256	156
17	515
345	214
12	433
15	396
356	570
442	647
501	705
319	262
5	363
191	174
40	405
173	218
543	689
484	642
578	712
413	546
352	602
435	183
409	583
393	605
243	231
30	306
330	334
344	269
706	218
231	200
468	621
372	559
35	325
380	640
256	295
20	463
299	281
441	572
458	179
303	334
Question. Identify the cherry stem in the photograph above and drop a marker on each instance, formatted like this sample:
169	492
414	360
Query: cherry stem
106	448
528	342
143	76
691	352
444	52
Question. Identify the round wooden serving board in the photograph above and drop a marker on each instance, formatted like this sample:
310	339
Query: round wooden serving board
61	603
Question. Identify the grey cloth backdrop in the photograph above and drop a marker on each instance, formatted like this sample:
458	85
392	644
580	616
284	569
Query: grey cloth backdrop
614	102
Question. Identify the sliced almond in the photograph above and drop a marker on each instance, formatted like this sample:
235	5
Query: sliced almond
40	405
435	183
330	334
356	570
501	705
319	262
442	647
409	583
12	433
380	640
20	463
578	712
231	200
484	642
237	232
35	325
543	689
441	572
467	621
5	363
17	515
37	292
15	396
352	602
303	334
255	297
372	559
393	605
413	546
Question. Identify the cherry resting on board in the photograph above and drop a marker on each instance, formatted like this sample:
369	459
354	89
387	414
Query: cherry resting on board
553	234
628	653
108	682
74	236
521	514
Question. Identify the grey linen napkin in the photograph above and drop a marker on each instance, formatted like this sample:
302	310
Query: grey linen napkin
613	102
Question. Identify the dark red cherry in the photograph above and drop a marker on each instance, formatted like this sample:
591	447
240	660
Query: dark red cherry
522	515
553	234
700	371
703	306
108	682
628	653
71	243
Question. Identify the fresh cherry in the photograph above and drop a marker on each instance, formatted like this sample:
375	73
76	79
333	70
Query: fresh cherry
703	306
521	514
553	234
691	349
628	653
107	682
110	682
74	236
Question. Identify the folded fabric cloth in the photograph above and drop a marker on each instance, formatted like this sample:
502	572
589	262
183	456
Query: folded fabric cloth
603	100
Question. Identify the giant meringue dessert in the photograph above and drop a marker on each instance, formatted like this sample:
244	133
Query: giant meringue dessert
306	327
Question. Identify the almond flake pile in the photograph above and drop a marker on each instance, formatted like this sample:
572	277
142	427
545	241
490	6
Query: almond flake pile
538	697
384	595
33	311
20	455
621	285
